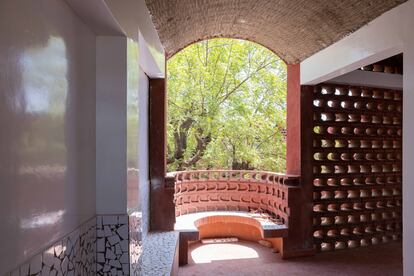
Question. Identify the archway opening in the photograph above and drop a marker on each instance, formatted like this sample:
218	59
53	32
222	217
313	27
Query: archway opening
226	107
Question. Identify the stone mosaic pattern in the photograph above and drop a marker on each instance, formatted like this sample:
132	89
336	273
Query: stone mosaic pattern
75	254
158	255
104	245
112	245
135	242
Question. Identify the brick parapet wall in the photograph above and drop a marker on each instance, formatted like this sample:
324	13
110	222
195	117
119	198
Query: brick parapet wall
222	190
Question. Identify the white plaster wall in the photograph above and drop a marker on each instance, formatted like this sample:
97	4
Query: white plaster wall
111	21
132	126
47	126
111	125
148	61
48	60
389	34
132	13
143	150
97	15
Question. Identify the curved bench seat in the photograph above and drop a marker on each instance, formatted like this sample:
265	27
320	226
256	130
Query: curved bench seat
188	225
219	203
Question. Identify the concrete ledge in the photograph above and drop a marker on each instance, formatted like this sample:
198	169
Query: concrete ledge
160	254
190	222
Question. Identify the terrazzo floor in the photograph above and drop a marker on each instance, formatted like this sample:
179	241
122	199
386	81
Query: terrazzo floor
248	258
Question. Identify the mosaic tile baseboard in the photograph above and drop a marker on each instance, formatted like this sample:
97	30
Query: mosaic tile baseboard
135	243
104	245
75	254
112	245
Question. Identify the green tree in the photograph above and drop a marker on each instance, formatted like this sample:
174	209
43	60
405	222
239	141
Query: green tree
226	107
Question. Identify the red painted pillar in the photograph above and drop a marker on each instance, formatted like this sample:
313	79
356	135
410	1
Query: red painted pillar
293	120
162	209
299	240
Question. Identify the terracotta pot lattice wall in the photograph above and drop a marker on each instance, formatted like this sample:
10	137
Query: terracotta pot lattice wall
199	191
357	167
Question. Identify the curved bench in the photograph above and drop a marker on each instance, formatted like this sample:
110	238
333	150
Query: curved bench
208	196
188	225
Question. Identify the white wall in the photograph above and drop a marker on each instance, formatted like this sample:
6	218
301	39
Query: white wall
111	124
131	18
148	61
130	14
63	124
390	34
47	126
143	150
132	125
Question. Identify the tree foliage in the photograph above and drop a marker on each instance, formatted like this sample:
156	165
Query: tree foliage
226	107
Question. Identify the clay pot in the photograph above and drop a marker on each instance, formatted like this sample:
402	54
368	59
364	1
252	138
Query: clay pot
365	93
358	231
346	207
340	194
353	194
341	220
367	68
366	242
354	92
340	245
327	195
345	232
365	193
354	243
332	233
357	206
333	207
389	69
319	208
327	90
377	68
327	221
353	219
376	193
397	70
365	218
327	246
346	181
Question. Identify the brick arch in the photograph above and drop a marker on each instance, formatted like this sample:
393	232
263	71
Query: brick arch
228	37
293	29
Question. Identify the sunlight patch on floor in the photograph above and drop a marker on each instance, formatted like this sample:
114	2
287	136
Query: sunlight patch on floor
222	251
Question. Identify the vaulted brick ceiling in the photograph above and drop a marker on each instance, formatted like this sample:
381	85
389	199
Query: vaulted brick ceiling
293	29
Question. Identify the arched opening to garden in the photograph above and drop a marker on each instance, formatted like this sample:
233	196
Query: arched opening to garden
226	107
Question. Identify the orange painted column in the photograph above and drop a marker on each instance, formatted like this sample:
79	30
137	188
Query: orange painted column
299	240
293	120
